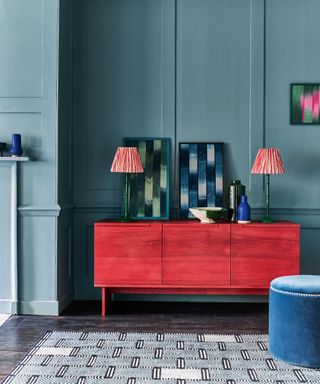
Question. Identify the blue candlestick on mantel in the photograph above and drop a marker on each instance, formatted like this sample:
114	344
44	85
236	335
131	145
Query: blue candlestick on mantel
16	149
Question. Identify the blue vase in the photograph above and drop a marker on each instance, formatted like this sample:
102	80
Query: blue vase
244	215
16	149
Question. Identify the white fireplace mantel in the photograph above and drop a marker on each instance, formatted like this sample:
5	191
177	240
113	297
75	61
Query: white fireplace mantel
13	161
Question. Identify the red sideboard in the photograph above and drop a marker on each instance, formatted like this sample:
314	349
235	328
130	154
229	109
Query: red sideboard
189	257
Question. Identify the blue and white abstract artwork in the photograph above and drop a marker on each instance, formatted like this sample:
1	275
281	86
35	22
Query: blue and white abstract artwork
201	176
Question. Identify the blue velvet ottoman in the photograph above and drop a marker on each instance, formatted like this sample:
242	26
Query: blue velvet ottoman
294	320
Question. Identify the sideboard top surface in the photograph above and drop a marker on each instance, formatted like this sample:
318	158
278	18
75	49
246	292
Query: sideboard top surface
147	223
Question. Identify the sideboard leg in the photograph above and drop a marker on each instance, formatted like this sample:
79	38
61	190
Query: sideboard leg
103	311
106	300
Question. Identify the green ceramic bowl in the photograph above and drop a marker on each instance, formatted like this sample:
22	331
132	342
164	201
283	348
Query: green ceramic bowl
207	215
216	214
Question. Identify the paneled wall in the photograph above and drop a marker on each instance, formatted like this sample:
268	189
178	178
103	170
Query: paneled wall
219	80
194	70
292	56
64	271
28	105
125	86
78	76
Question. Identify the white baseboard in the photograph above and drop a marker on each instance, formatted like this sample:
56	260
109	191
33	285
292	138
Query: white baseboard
49	308
37	307
6	306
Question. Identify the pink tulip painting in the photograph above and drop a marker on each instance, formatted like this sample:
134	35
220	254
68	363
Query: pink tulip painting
305	103
316	105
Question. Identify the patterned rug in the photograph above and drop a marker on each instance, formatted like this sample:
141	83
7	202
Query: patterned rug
164	358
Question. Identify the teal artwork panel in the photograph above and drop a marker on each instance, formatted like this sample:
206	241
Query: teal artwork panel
201	176
149	191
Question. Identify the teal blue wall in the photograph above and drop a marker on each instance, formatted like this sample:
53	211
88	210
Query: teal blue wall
125	86
194	70
28	105
80	75
65	292
292	56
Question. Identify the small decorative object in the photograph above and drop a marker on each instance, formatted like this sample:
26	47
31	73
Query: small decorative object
244	216
201	176
235	191
305	103
16	149
208	215
149	192
3	146
267	162
126	160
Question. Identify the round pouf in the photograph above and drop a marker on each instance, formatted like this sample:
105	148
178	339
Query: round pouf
294	320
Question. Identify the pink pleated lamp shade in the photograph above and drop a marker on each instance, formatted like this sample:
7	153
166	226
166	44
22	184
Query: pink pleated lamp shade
268	161
127	160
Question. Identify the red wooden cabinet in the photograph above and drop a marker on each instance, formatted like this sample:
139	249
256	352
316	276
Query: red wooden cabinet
196	255
259	253
127	254
189	257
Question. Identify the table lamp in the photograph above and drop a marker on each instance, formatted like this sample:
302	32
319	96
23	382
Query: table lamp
126	160
268	161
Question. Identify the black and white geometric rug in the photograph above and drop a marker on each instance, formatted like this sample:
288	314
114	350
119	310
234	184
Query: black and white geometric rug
160	358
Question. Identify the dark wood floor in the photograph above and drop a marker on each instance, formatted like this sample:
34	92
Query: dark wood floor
20	333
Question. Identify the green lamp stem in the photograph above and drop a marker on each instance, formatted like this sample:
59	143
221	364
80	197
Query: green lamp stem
267	218
126	218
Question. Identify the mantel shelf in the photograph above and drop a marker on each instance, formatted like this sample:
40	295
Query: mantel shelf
12	158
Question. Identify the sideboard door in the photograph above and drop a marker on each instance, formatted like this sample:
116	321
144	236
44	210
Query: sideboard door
127	254
196	254
261	252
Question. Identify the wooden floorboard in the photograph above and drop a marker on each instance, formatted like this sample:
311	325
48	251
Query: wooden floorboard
20	333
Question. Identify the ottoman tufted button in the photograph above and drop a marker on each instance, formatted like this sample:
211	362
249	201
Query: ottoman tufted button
294	319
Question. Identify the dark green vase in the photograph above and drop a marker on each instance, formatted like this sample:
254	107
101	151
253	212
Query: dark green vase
235	191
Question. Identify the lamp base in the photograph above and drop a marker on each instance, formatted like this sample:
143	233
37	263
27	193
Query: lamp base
125	220
267	220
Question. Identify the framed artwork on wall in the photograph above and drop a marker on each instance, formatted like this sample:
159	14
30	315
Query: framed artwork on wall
149	199
201	176
305	103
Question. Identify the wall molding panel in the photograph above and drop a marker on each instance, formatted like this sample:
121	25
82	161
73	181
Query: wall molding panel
220	82
223	70
98	210
38	210
22	59
20	105
136	67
